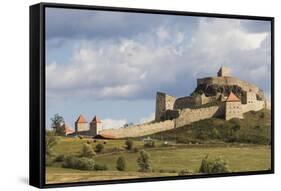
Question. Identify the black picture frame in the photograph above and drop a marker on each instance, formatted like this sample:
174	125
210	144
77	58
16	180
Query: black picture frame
37	93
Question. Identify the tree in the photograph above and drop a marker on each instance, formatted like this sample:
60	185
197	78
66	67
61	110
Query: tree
121	164
87	151
129	144
51	141
144	162
57	124
99	148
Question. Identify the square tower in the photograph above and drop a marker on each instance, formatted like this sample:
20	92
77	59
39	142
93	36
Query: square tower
224	71
233	107
81	125
95	126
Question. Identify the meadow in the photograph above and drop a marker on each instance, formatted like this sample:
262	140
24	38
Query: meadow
166	160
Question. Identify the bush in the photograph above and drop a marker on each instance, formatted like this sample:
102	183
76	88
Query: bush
121	164
59	158
135	150
144	162
51	141
129	144
79	163
149	144
100	167
49	161
184	172
87	151
99	148
209	166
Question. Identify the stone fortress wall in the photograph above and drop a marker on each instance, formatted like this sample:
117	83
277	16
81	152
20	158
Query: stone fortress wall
139	130
188	116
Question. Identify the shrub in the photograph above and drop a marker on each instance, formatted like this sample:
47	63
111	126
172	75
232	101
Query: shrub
99	148
49	161
149	144
209	166
184	172
79	163
100	167
144	162
135	150
87	151
59	158
88	142
51	141
121	164
129	144
80	137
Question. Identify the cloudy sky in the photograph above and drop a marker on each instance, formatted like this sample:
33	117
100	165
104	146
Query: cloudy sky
111	64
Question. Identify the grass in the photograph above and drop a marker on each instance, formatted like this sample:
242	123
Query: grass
239	157
63	175
254	128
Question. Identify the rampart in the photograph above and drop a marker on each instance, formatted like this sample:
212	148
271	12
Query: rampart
188	116
139	130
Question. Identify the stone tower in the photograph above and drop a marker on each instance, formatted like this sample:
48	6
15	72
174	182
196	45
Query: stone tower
233	107
95	126
224	71
81	124
163	102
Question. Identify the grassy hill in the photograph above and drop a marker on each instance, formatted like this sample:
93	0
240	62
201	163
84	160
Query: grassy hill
254	128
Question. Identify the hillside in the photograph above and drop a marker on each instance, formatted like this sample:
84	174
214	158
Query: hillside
254	128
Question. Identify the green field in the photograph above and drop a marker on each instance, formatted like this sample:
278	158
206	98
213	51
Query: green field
166	161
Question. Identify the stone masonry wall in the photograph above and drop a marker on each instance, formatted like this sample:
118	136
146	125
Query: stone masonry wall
188	116
139	130
163	103
255	106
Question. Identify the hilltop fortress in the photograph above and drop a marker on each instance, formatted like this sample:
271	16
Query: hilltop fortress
222	96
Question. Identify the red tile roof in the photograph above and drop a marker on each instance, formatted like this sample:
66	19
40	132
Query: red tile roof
81	119
67	129
232	98
96	119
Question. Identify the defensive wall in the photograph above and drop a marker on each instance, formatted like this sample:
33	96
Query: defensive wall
188	116
139	130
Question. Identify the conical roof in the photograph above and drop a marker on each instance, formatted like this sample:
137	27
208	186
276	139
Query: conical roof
232	97
96	119
81	119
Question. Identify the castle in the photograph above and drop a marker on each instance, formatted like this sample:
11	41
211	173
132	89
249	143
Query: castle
222	96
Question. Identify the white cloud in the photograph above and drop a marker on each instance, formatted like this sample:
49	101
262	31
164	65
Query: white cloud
148	118
134	67
113	123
